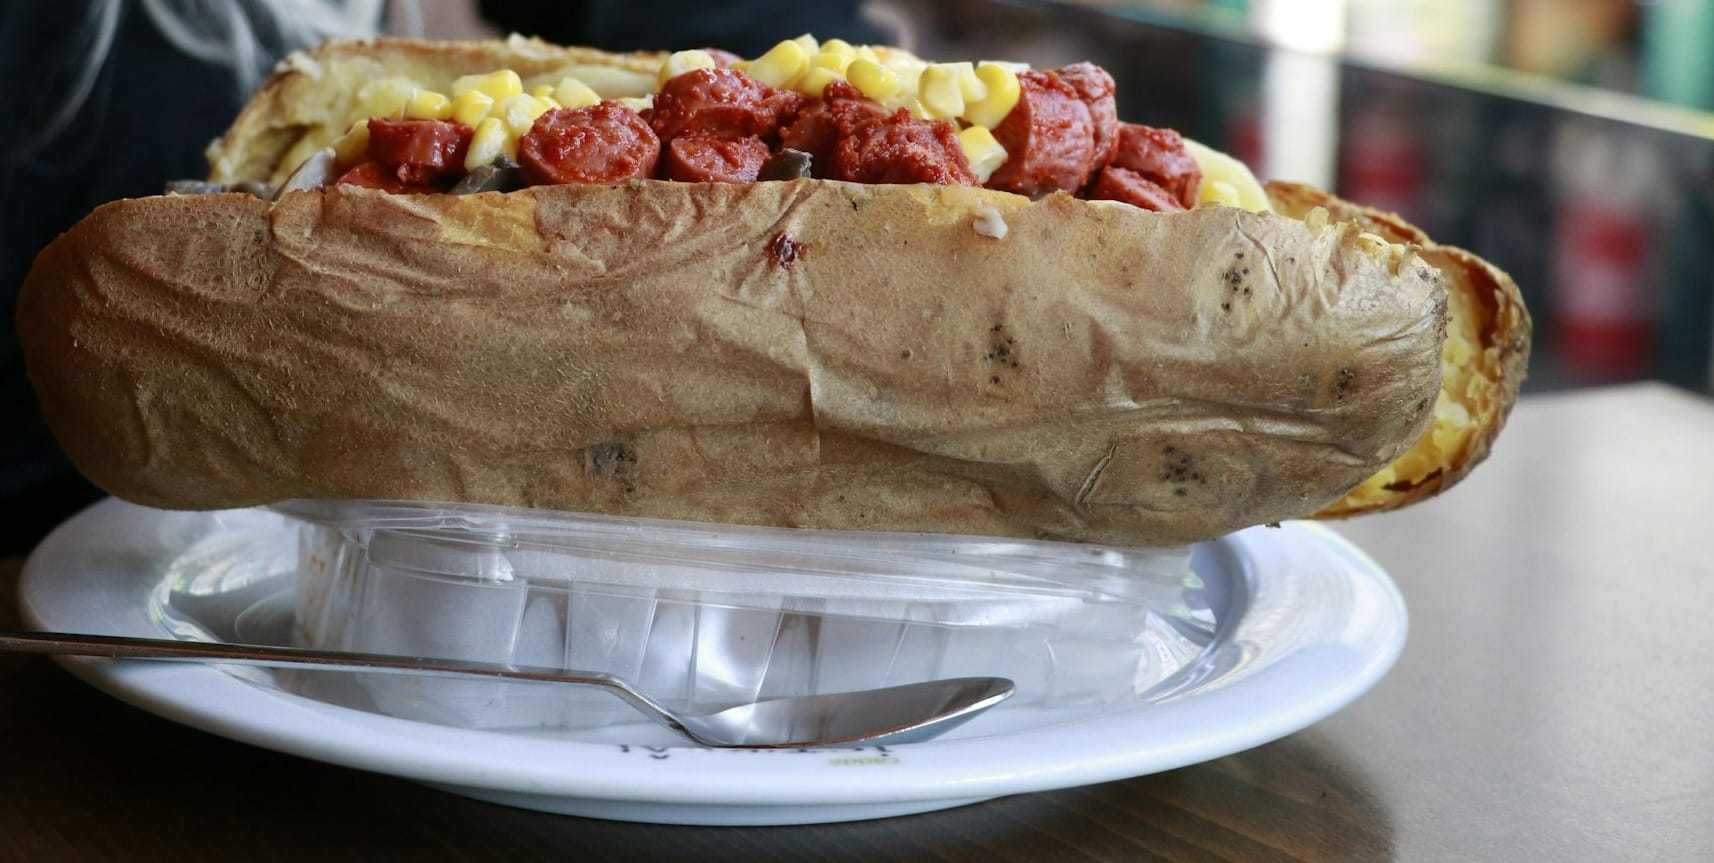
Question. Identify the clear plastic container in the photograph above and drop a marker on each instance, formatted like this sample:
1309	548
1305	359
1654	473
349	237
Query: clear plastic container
703	616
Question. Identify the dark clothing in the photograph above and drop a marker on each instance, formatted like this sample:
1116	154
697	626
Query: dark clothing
147	120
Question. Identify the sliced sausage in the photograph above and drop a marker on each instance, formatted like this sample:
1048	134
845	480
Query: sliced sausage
724	103
1160	155
707	159
1122	184
1049	139
900	149
374	175
818	128
1095	87
420	151
603	143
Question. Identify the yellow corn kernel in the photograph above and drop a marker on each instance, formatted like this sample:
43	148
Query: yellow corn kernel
541	91
353	146
572	93
808	43
815	79
495	85
681	62
917	108
830	60
941	91
866	52
1219	169
781	65
488	144
872	79
1001	84
428	105
985	154
1219	192
637	103
385	97
840	47
470	106
910	76
519	112
896	57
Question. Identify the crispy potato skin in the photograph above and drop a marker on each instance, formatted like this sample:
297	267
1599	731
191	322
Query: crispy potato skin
800	353
1485	383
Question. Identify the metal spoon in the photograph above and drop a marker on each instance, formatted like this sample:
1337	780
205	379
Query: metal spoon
895	714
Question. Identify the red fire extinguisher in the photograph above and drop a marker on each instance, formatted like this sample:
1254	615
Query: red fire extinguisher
1605	302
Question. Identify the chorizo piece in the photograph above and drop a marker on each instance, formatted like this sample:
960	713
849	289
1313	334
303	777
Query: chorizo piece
724	103
707	159
818	128
1160	156
1049	138
1122	184
900	149
1095	87
419	152
603	143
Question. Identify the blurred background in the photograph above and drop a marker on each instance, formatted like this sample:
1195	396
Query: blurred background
1571	142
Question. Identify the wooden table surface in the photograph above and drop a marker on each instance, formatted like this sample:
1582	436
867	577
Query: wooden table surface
1555	702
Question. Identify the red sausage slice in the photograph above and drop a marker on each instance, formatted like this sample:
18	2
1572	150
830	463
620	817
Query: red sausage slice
724	103
1160	155
419	151
1122	184
374	175
1049	139
707	159
899	149
1095	87
603	143
818	129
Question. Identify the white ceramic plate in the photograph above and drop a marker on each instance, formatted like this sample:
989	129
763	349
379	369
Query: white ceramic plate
1310	623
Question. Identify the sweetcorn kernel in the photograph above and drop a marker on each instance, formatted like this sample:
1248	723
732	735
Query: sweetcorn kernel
496	85
637	103
830	60
353	146
941	91
1219	192
428	105
974	88
815	79
872	79
1001	85
808	43
781	65
572	93
519	112
487	144
985	154
681	62
470	106
541	90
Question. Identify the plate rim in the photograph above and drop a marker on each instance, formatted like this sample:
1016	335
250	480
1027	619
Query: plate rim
210	700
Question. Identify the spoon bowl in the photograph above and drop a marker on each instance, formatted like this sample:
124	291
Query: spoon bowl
907	713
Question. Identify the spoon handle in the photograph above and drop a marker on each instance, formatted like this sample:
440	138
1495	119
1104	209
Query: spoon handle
128	647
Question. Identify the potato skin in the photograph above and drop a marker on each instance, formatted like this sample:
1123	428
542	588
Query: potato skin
802	353
1484	382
